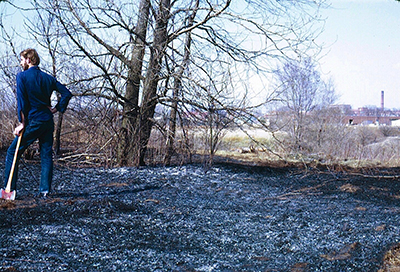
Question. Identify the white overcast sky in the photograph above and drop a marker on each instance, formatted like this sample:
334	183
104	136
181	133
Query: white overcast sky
364	56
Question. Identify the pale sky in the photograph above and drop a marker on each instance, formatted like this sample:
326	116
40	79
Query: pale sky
363	51
364	56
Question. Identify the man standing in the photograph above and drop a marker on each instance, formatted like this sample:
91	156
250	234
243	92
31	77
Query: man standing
35	114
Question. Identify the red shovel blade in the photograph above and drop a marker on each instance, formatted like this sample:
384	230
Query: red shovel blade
7	195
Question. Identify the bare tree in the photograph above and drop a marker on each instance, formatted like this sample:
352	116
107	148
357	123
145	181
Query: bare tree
9	68
177	88
215	104
127	47
47	33
131	103
301	90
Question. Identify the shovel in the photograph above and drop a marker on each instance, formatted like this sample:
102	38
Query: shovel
6	193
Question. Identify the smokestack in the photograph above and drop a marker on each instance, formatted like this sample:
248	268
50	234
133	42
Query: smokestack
382	100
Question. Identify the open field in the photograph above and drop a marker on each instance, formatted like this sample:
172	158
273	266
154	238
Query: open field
362	147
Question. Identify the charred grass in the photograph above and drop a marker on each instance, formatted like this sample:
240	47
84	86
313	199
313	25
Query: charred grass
227	217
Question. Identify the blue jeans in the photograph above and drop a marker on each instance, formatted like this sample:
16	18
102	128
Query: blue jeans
42	130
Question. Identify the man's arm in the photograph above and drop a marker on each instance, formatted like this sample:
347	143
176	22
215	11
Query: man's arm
22	99
65	97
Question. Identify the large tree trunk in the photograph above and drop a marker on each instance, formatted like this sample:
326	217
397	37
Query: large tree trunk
131	104
144	121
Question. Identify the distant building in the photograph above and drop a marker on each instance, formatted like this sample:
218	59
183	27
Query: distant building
395	123
370	115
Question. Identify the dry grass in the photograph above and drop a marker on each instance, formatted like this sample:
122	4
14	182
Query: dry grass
350	147
355	147
391	260
7	122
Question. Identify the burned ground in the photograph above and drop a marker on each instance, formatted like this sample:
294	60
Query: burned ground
228	218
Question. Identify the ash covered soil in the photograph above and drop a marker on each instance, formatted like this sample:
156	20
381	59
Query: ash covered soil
228	218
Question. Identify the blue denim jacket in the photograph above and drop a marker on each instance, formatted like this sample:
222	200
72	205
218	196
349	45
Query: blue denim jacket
34	89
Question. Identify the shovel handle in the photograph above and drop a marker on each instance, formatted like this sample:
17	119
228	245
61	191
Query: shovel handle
8	187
